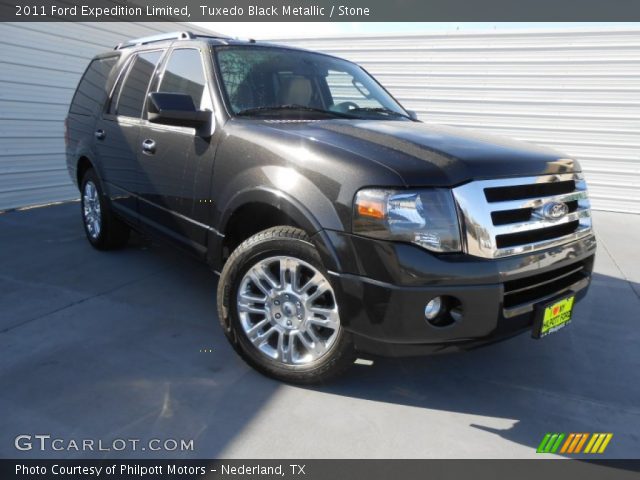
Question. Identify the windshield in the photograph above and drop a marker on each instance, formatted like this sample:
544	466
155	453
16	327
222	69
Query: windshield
283	82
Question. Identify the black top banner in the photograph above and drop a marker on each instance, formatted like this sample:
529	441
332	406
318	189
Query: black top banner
320	10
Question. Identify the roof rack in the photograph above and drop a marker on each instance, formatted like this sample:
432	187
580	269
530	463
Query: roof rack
164	37
156	38
222	38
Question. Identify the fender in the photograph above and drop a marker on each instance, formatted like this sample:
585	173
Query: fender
285	203
83	149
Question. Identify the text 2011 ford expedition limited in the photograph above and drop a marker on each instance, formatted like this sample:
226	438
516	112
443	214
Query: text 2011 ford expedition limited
338	222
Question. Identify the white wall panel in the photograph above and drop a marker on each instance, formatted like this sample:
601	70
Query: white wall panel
40	66
576	91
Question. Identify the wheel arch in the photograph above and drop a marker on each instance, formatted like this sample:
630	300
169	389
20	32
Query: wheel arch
257	209
82	166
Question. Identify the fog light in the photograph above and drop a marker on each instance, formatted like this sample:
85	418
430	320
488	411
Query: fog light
432	310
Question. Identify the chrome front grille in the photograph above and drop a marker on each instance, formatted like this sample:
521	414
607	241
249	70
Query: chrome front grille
511	216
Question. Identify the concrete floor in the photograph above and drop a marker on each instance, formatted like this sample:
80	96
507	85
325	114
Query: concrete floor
110	345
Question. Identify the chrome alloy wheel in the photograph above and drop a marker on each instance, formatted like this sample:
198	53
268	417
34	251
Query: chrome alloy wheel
91	209
288	310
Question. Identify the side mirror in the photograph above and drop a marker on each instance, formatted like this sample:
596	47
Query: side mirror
413	115
175	109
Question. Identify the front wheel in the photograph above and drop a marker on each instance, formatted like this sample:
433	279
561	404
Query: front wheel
279	311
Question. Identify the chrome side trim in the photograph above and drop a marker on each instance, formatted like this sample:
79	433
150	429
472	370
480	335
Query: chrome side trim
179	215
171	212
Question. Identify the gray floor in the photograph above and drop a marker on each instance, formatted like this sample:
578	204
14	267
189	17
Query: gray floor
110	345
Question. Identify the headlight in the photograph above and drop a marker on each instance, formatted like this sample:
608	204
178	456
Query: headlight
425	217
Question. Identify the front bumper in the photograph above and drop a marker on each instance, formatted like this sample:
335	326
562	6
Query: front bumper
382	289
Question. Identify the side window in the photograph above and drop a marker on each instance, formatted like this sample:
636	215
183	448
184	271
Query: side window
111	110
131	98
184	74
91	92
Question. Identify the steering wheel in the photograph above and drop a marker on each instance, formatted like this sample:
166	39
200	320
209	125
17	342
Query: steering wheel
344	107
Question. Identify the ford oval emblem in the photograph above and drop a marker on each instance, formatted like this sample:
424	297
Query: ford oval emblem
554	210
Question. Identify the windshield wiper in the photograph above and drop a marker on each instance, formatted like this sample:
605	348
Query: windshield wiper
280	108
380	110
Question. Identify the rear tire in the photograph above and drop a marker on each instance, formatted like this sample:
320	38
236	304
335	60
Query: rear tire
103	229
285	323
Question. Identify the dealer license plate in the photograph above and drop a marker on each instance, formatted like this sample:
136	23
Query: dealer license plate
553	316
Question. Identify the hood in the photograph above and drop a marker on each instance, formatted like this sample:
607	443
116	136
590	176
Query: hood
428	155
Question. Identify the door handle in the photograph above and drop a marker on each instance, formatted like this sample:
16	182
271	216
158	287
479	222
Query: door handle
149	146
99	134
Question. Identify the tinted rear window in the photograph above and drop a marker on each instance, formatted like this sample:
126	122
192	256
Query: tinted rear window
92	90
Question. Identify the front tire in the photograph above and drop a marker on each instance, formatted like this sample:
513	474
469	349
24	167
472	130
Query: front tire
103	229
279	311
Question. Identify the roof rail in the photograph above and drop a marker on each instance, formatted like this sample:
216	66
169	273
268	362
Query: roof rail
156	38
223	38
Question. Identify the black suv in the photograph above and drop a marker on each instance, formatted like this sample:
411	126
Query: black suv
337	221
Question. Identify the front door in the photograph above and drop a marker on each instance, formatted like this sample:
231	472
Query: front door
170	158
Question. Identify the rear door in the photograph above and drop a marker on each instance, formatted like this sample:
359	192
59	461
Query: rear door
117	132
85	110
175	163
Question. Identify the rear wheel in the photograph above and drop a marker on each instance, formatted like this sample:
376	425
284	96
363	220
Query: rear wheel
279	310
103	229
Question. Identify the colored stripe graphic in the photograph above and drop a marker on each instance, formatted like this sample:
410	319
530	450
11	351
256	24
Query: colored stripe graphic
584	439
606	442
574	443
557	444
550	443
543	444
598	442
568	442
